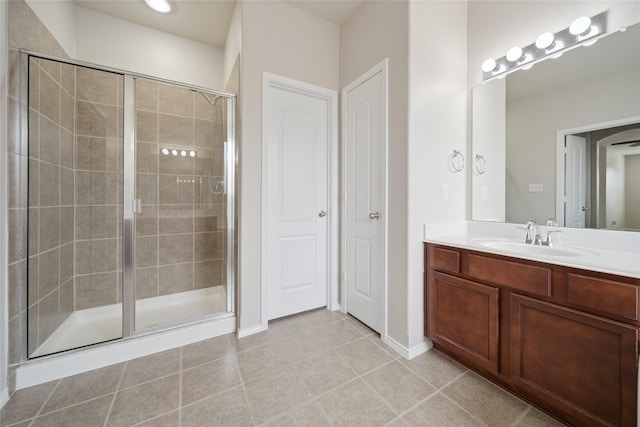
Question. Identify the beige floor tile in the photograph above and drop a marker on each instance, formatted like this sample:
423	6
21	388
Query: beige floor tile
288	326
378	341
228	408
273	394
322	316
364	329
81	387
438	411
484	400
398	385
87	414
355	404
208	379
252	341
434	367
25	404
262	360
363	355
172	419
150	367
536	418
145	401
337	334
206	351
323	372
398	422
308	414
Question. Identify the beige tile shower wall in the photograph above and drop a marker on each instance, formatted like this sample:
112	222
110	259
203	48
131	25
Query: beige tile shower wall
26	32
98	190
180	232
51	212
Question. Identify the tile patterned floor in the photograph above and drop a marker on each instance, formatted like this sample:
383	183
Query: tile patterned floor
319	368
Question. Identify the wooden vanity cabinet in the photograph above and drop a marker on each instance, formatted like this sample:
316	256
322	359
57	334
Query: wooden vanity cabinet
562	338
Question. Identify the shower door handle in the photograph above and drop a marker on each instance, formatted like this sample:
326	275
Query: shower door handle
137	206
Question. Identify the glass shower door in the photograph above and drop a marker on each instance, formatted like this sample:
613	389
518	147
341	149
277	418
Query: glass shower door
180	252
75	174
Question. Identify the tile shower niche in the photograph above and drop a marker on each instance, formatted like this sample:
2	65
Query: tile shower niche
127	183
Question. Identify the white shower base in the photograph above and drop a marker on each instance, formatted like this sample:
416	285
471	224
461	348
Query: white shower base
61	365
100	324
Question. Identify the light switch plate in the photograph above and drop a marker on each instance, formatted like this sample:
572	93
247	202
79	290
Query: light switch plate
536	188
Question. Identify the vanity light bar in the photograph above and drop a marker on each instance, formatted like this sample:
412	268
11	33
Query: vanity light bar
547	45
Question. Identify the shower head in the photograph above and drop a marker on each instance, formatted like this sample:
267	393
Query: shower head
213	102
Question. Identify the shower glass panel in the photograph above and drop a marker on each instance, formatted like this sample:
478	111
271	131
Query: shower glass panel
181	229
75	173
130	204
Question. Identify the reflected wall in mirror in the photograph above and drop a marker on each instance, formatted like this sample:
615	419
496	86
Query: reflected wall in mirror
521	124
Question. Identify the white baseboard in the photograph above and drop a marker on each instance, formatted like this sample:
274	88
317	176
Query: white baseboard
408	353
50	368
4	397
245	332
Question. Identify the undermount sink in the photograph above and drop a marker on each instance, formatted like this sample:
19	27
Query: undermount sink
525	248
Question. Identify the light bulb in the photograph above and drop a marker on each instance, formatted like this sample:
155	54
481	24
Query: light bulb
161	6
580	26
545	41
174	152
489	65
192	153
514	54
183	153
165	151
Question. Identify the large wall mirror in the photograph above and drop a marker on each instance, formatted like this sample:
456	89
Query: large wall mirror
561	140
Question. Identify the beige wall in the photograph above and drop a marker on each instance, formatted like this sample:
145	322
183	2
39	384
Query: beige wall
232	47
284	40
148	51
377	30
437	126
60	19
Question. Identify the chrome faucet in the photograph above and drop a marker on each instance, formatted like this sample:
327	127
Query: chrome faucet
533	233
547	240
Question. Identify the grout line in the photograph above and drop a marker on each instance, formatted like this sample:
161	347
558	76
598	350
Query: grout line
115	394
45	402
463	408
521	417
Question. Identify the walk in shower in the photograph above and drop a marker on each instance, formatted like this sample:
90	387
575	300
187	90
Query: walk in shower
130	203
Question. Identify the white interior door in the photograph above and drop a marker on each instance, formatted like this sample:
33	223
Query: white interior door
296	160
575	181
364	105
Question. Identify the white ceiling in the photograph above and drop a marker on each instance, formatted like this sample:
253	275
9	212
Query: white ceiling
207	21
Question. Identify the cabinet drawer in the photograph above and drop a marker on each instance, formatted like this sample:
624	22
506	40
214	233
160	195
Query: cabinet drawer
445	260
603	295
523	277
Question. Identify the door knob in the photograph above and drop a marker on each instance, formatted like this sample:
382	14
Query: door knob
584	209
374	215
322	214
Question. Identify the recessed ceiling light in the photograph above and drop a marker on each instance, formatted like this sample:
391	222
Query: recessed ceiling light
161	6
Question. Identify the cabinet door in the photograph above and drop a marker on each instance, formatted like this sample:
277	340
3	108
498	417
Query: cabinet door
463	319
583	365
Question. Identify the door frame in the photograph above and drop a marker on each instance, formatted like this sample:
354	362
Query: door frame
271	80
383	68
560	166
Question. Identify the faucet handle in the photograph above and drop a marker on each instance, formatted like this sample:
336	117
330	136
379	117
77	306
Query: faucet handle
552	222
547	240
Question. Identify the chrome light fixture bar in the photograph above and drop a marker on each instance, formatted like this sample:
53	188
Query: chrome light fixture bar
583	31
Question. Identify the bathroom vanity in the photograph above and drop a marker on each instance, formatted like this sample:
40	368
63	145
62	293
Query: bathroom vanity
563	338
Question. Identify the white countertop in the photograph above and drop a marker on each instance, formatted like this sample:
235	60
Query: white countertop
596	250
